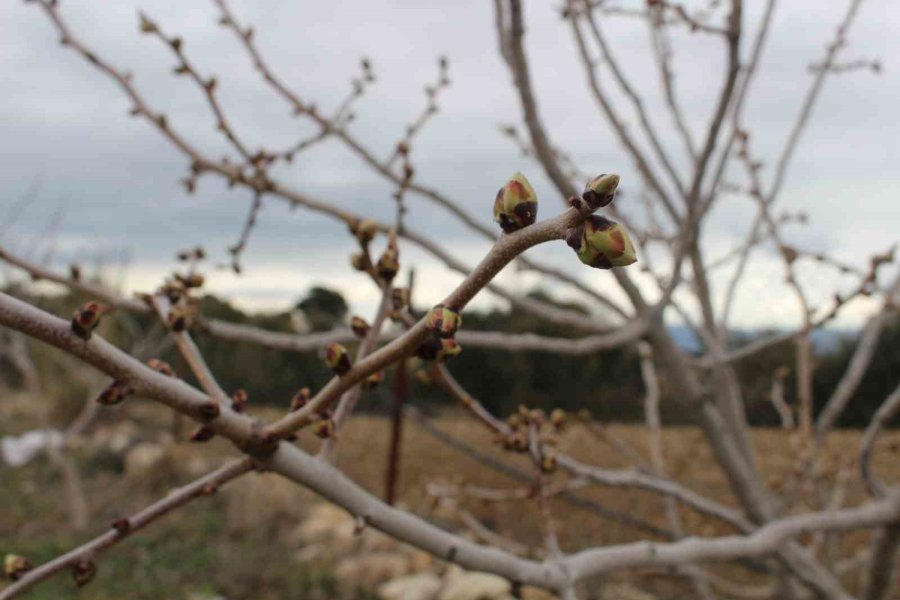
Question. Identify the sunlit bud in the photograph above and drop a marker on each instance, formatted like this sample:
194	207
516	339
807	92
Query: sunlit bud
83	571
443	321
203	434
601	243
337	358
14	566
365	231
86	319
323	428
601	190
114	393
359	326
360	262
515	206
400	298
161	366
300	399
239	400
372	381
558	418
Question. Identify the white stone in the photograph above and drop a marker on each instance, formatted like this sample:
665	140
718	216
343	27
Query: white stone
422	586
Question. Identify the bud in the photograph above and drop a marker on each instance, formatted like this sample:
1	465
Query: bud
14	566
203	434
359	326
191	280
114	393
389	264
515	206
180	318
400	298
365	231
239	400
443	321
83	571
601	243
449	349
86	319
548	463
161	366
517	442
300	399
558	418
324	427
601	190
337	358
360	262
372	381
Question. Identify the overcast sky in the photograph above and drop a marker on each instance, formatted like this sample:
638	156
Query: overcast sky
105	186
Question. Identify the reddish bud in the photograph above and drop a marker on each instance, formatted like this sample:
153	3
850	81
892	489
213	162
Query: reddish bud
300	399
86	319
359	326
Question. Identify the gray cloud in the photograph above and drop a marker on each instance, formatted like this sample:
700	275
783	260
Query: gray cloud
67	126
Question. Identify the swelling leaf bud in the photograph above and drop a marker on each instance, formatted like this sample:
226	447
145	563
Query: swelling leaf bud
515	206
114	393
83	572
86	319
372	381
337	358
365	231
601	190
601	243
14	566
388	264
300	399
443	321
449	349
359	326
323	428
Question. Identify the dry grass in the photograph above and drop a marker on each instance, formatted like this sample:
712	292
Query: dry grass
246	532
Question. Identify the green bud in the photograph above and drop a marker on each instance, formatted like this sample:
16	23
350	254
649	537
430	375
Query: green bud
14	566
443	321
601	190
515	206
601	243
337	358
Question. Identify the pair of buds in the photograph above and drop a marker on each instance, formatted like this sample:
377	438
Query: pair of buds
598	241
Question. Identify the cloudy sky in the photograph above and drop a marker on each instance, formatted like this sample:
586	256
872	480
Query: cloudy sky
103	188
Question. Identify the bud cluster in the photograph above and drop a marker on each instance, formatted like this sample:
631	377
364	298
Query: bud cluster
442	323
526	422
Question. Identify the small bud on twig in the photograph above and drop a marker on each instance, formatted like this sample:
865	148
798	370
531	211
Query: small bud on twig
83	572
443	321
372	381
324	427
14	566
115	393
86	319
203	434
515	206
601	190
337	358
601	243
300	399
359	326
239	400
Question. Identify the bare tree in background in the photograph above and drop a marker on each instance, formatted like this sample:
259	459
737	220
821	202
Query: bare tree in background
680	185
